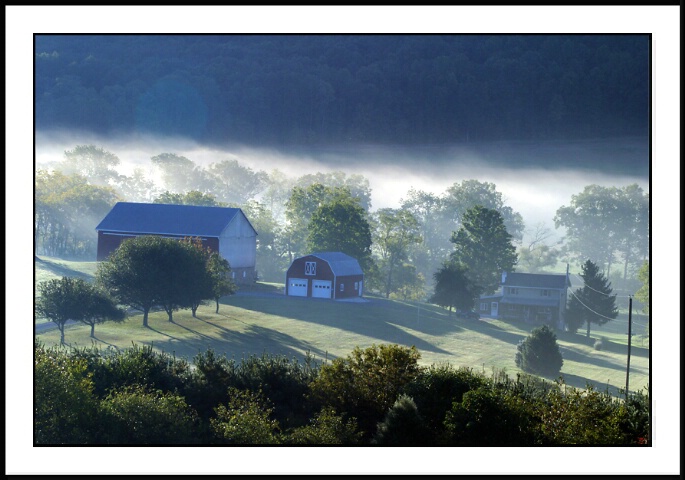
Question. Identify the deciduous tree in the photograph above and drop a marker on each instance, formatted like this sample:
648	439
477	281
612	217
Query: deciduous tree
341	226
61	300
396	231
149	270
642	294
484	246
603	222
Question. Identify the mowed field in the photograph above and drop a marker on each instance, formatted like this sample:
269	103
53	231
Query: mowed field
263	321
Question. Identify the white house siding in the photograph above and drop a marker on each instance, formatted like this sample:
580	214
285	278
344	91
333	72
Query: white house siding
238	244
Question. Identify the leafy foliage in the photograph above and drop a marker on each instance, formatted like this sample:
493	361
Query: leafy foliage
581	417
137	415
67	210
149	270
61	300
488	417
341	226
539	353
367	382
141	397
642	294
453	288
193	197
245	420
64	400
395	233
485	247
434	390
617	216
402	425
326	428
322	89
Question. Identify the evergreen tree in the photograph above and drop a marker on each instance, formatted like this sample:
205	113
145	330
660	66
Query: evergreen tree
539	353
593	302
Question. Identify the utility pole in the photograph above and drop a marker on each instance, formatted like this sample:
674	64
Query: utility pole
630	336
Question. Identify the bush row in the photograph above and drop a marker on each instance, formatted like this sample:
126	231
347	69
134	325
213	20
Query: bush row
375	396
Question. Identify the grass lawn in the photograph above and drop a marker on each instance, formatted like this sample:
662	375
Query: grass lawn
259	323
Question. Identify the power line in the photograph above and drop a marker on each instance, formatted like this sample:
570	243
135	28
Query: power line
596	313
595	290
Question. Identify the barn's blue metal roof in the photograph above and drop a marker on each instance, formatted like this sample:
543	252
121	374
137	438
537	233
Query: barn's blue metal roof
163	219
341	263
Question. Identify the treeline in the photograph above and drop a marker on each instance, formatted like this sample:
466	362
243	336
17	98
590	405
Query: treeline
374	396
401	248
331	89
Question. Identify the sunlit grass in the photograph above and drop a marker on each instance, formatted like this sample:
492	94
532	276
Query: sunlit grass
278	325
256	324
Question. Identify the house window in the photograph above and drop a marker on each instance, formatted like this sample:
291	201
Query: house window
545	293
310	268
513	291
342	287
483	307
356	285
233	275
244	274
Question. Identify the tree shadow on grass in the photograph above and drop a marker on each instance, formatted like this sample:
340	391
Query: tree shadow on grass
576	354
162	333
61	270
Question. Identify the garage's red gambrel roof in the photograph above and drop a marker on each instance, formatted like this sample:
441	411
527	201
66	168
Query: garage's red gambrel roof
164	219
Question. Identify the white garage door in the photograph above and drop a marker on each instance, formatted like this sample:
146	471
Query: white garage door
321	288
297	287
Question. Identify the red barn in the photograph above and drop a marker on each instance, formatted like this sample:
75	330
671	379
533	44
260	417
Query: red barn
325	275
224	230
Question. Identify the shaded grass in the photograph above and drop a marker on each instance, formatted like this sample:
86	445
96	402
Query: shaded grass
259	319
274	324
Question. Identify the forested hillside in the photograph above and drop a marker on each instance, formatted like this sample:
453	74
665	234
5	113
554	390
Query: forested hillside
333	89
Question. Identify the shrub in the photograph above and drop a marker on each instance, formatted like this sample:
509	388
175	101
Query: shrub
434	390
326	428
284	381
490	417
138	365
245	420
64	399
138	415
366	383
539	353
577	417
599	343
402	426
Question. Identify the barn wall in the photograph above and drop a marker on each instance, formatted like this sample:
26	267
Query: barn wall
238	244
108	242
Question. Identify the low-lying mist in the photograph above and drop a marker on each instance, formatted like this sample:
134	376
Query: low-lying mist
534	179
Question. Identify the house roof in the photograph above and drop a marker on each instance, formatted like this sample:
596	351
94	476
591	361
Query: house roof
536	280
341	263
163	219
